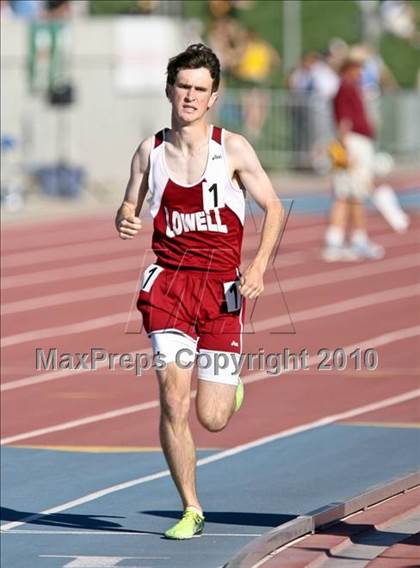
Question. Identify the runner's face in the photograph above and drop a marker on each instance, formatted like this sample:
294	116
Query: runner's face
191	94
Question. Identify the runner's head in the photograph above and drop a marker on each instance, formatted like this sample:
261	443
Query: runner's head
195	56
193	78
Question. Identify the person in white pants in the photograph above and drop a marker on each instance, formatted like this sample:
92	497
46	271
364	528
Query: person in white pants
352	182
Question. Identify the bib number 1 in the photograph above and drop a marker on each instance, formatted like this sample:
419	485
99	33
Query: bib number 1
149	276
212	196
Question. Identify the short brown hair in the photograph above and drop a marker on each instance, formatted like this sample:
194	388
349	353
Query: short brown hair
350	64
195	56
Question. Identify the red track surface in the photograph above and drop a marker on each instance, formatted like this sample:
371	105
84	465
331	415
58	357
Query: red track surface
71	272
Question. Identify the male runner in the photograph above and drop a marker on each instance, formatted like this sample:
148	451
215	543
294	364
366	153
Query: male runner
196	173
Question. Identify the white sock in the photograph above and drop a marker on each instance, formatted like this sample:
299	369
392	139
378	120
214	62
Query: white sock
359	237
334	236
195	509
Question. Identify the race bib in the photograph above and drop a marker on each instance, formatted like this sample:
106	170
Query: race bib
149	276
233	297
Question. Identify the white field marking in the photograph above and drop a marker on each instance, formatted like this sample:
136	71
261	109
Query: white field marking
123	288
131	262
106	267
81	422
340	307
349	273
54	375
86	250
79	271
62	236
373	342
91	292
218	456
64	253
103	225
95	248
303	315
288	285
79	327
83	295
113	533
114	244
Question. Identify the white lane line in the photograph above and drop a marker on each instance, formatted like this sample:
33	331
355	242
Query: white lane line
335	308
81	422
126	263
63	253
122	288
218	456
114	533
270	323
106	246
13	244
130	262
102	227
69	297
289	285
373	342
350	272
79	327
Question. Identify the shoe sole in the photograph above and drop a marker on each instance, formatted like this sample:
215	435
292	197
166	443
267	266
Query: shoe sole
197	534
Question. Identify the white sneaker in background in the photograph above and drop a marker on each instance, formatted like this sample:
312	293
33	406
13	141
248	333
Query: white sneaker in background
338	254
368	251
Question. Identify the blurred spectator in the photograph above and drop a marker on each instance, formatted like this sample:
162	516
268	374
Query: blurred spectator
302	86
325	86
399	19
220	8
353	178
375	77
338	52
227	38
144	7
5	9
27	9
258	61
57	9
325	79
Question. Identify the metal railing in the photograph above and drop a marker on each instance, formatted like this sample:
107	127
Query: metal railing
291	131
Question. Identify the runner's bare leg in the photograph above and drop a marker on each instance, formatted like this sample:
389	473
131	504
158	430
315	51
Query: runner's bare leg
215	404
175	434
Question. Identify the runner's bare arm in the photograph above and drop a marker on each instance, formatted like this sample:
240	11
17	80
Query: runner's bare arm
127	220
245	163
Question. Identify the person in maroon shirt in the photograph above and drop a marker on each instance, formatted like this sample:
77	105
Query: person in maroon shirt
353	178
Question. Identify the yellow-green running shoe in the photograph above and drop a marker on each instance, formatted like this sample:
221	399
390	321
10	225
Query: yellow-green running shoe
239	395
192	523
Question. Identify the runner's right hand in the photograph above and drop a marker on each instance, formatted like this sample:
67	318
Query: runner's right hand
129	227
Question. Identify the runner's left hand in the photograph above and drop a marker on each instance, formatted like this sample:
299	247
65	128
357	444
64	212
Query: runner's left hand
252	282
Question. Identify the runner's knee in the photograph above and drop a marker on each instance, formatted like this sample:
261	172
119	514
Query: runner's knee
174	406
213	422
